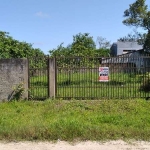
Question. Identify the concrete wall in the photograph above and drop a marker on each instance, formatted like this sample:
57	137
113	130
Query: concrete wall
12	73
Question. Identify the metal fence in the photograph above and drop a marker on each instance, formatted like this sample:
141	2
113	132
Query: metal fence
78	77
38	77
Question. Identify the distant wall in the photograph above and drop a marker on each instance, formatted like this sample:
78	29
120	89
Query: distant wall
12	73
113	50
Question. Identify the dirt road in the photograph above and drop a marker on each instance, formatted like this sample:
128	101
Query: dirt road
111	145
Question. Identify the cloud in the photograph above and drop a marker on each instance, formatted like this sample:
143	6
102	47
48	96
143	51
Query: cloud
42	14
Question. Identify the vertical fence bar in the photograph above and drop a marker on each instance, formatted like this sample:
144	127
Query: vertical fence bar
28	78
147	66
55	76
111	72
48	78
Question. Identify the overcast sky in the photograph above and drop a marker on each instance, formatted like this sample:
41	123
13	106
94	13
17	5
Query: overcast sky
48	23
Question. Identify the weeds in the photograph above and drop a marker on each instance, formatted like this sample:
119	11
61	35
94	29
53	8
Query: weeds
71	120
17	92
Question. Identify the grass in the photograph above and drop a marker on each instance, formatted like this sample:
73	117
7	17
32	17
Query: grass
75	120
85	85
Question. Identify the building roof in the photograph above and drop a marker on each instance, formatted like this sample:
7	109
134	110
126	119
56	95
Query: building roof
124	58
129	45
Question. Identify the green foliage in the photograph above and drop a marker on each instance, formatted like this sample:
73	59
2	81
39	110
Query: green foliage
11	48
37	62
145	86
75	120
60	51
147	42
102	52
17	92
83	45
138	15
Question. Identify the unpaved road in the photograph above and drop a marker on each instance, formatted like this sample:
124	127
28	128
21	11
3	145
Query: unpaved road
111	145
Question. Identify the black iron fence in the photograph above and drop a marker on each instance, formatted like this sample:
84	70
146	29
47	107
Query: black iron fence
38	77
119	77
82	78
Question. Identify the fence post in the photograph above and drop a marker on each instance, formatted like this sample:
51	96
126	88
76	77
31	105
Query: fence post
52	78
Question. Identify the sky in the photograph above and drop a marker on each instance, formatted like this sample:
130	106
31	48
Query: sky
48	23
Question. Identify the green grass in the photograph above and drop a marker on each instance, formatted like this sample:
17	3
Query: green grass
75	120
85	85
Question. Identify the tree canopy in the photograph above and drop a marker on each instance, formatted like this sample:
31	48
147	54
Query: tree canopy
138	15
103	43
83	45
136	37
11	48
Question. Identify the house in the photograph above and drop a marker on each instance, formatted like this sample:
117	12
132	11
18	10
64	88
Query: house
132	61
121	47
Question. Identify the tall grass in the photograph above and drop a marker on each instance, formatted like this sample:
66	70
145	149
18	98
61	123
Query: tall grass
75	120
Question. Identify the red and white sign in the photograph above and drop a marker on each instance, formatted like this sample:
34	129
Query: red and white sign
103	74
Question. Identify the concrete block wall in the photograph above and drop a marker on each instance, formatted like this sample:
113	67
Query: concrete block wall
13	72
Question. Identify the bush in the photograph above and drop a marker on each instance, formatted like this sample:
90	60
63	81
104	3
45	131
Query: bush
145	86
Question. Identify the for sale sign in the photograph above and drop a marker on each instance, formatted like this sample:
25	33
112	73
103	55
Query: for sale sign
103	74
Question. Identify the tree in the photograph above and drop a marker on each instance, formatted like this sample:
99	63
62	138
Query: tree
83	45
102	52
147	43
138	15
81	51
11	48
60	51
103	43
104	47
136	37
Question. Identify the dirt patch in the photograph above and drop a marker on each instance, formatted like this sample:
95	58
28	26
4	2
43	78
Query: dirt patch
60	145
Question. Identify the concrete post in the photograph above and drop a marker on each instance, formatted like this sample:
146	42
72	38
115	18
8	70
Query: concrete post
52	78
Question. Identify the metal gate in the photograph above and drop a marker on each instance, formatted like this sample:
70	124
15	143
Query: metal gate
38	77
78	77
